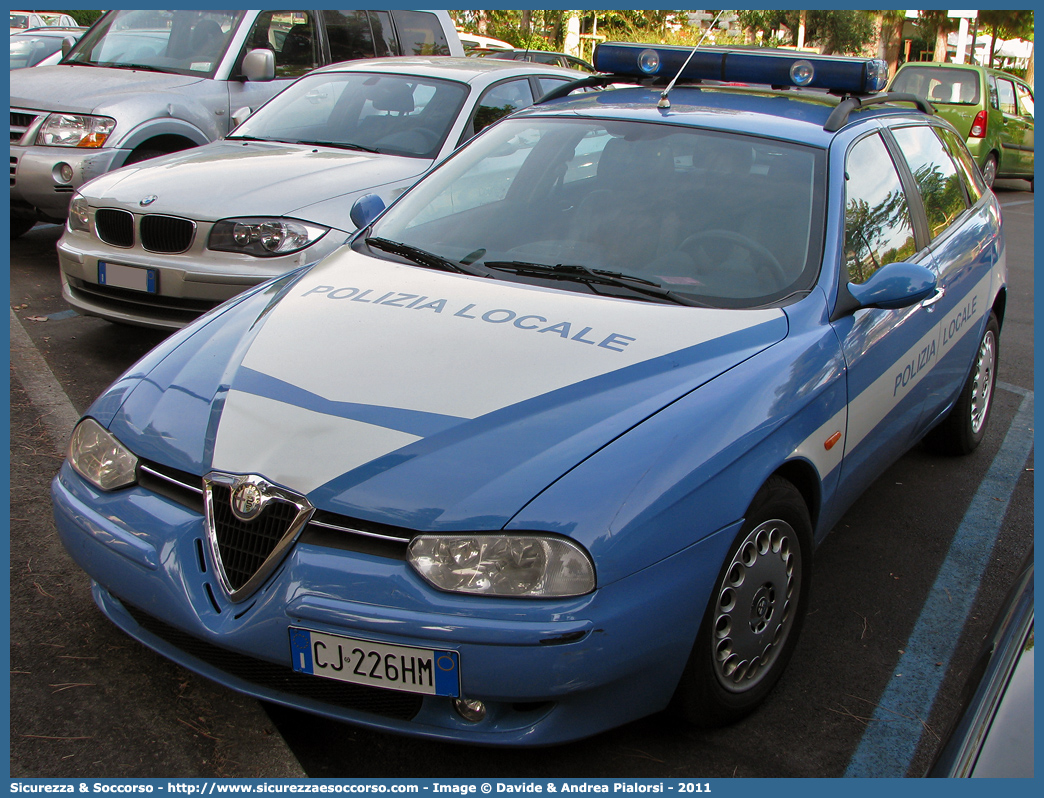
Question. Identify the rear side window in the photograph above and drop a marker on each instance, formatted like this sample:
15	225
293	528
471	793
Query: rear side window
970	173
936	175
501	100
940	85
350	35
1025	100
878	230
1006	96
420	33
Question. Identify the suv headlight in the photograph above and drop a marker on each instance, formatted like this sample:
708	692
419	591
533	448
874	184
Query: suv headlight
79	214
263	237
531	566
99	458
75	130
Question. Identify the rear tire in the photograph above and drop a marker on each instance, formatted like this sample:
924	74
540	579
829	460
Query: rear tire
755	612
989	170
965	425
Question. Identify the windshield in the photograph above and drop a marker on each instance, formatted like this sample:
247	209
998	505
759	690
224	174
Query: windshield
947	85
19	21
728	220
399	115
183	42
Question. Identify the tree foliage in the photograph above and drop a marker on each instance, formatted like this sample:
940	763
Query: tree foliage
83	17
842	31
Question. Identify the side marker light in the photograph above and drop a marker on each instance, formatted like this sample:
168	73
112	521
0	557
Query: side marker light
832	440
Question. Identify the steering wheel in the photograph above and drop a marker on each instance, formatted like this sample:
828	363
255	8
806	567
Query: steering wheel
762	257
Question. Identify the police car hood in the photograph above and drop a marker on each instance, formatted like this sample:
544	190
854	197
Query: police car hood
86	89
425	399
254	179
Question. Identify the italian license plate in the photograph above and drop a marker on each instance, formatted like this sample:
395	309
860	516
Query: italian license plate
136	278
412	670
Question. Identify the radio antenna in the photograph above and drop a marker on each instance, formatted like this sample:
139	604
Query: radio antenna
664	101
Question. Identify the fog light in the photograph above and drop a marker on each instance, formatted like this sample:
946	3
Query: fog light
471	710
62	173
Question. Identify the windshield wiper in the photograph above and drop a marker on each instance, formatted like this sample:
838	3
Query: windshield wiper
140	67
249	138
343	145
424	258
582	274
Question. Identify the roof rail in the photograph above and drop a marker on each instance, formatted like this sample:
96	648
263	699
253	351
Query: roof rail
582	83
839	116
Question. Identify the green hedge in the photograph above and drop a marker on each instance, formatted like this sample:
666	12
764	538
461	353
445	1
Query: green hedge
82	17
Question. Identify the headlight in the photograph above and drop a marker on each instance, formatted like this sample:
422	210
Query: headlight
503	565
100	458
264	238
78	214
75	130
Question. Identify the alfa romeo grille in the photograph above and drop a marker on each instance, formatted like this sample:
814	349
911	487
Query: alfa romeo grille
115	227
166	233
251	525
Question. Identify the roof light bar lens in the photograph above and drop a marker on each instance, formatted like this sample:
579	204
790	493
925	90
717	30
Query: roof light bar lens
743	65
648	61
802	72
876	74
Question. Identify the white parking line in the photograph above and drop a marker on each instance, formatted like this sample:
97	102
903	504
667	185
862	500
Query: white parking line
31	370
890	740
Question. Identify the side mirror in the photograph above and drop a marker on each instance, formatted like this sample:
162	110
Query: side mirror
67	44
259	65
240	115
895	285
367	208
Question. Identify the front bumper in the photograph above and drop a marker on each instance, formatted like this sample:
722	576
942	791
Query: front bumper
37	192
548	671
189	283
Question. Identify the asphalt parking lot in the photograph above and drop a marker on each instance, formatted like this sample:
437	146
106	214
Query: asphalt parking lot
88	701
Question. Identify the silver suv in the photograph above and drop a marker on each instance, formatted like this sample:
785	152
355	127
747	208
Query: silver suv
145	83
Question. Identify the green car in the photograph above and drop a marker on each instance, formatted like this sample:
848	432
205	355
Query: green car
991	109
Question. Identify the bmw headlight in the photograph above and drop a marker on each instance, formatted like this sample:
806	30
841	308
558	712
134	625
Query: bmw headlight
75	130
79	218
503	565
263	237
100	458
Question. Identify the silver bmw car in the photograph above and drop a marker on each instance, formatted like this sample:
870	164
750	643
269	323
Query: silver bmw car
159	243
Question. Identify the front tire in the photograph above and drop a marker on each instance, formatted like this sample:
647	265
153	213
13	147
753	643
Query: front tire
755	612
965	426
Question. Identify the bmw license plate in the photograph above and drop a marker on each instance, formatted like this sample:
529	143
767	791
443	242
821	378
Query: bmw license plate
412	670
136	278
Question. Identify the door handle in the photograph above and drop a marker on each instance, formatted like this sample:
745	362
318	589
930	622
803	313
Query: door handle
930	301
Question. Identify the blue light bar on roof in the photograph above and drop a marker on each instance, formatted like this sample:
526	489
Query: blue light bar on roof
770	67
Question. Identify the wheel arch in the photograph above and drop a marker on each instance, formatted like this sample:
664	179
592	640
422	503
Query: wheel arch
1000	303
804	477
169	135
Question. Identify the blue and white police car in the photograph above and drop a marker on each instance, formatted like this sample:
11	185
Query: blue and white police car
550	444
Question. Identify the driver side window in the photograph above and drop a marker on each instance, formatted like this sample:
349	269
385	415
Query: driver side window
877	218
290	35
